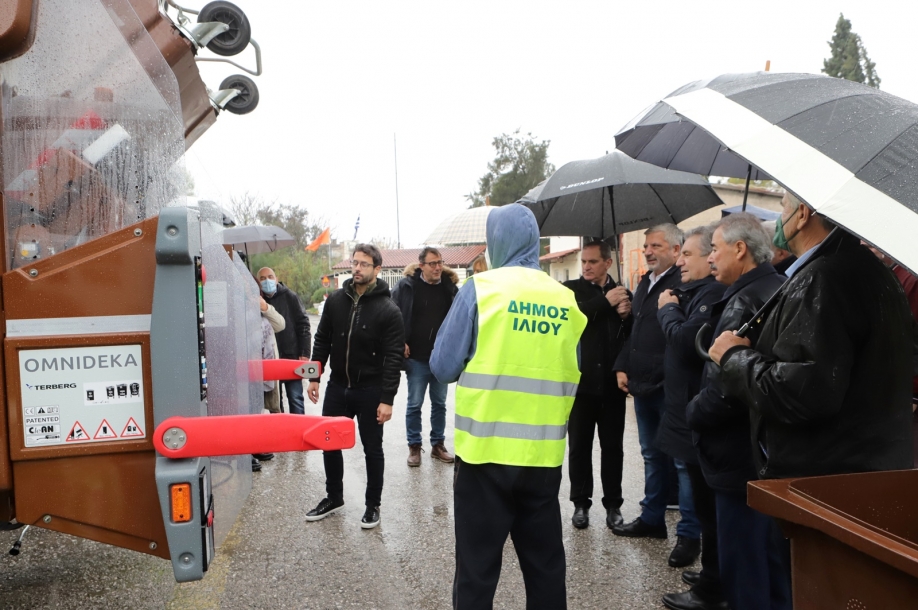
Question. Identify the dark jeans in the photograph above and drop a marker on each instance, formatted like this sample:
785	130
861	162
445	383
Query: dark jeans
754	556
294	391
607	413
491	501
362	403
648	411
708	588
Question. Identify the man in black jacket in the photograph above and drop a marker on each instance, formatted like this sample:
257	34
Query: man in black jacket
361	334
639	370
829	380
752	555
293	342
599	402
682	312
424	297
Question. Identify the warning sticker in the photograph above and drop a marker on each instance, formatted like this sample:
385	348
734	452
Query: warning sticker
68	393
131	429
77	434
104	431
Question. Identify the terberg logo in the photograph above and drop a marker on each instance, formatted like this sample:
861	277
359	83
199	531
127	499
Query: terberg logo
52	386
77	363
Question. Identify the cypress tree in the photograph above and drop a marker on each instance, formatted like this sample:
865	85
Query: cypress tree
848	58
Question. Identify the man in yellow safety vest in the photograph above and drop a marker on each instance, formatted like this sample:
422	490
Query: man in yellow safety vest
510	339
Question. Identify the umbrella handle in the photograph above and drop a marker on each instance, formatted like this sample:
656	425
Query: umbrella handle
701	339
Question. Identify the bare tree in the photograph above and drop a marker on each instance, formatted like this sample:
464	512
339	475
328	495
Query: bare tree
248	209
384	243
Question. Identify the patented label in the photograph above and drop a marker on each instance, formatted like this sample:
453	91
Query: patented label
69	393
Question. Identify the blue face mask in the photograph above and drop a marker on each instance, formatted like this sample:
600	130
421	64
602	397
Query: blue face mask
269	286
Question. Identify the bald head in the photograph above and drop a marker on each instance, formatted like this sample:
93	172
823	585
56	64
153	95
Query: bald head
267	280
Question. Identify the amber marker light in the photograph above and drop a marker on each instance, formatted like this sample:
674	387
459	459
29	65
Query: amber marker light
181	502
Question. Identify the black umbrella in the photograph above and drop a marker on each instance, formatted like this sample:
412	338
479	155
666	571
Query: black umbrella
848	150
614	194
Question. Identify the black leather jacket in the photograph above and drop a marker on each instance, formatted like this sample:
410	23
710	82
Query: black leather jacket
829	379
720	425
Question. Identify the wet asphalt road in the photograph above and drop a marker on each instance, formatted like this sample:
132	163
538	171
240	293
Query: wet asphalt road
274	559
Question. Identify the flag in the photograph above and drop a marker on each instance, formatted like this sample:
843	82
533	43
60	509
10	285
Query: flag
356	226
323	238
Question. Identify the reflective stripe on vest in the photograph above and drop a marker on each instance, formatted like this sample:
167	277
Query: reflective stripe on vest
531	432
542	387
515	395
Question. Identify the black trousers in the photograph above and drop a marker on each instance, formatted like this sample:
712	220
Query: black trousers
607	413
362	404
708	588
491	501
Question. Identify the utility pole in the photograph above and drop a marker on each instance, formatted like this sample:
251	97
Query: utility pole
398	224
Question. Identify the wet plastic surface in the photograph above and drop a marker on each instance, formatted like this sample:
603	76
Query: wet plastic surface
854	538
92	129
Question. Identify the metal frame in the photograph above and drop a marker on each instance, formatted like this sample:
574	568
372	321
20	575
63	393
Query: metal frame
202	33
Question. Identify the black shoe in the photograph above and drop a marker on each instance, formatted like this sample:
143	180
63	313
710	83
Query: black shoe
370	518
256	465
581	518
685	552
639	529
263	457
689	601
614	517
324	508
690	577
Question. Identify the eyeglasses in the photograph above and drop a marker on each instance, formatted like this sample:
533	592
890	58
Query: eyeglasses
361	264
434	263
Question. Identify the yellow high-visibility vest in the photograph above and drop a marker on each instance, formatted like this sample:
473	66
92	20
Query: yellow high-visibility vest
515	395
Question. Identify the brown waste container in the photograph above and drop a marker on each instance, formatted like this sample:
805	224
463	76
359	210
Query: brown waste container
854	537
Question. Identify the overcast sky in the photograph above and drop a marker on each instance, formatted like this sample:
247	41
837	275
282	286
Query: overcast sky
340	78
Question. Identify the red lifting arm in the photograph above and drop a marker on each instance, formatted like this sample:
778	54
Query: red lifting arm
285	370
189	437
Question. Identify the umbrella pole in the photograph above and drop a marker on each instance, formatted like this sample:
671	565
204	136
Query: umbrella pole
615	247
746	192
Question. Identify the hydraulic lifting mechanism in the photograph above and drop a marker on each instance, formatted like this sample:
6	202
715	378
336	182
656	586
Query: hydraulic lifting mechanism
131	362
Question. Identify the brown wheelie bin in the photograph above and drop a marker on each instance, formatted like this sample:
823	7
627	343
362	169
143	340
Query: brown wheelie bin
854	537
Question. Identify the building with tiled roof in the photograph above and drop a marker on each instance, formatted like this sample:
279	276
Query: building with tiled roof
457	258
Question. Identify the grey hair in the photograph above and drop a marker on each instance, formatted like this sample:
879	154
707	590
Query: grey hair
671	233
795	201
748	229
705	233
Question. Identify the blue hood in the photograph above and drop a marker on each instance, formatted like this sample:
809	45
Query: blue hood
513	237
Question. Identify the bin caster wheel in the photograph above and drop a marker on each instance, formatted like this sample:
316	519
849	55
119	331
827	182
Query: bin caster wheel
236	38
247	99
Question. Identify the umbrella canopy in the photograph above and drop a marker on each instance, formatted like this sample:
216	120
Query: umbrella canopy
614	194
848	150
760	213
466	227
257	239
663	138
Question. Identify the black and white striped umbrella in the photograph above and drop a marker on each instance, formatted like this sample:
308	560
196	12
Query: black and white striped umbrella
848	150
